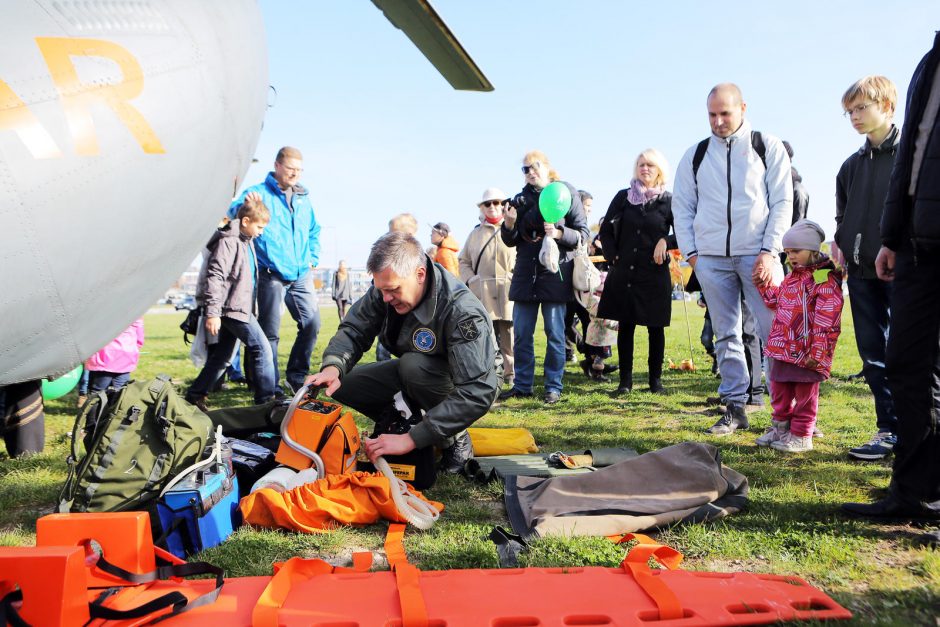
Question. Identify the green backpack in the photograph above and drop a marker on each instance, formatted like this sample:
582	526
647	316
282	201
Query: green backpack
136	440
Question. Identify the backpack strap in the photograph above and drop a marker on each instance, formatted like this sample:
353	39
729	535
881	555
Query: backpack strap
757	143
97	403
698	157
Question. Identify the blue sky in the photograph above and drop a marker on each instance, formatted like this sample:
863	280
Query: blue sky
590	83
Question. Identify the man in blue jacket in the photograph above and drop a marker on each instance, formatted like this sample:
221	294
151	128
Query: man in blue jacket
289	247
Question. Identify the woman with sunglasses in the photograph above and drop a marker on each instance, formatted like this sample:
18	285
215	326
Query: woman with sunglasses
533	284
638	290
486	265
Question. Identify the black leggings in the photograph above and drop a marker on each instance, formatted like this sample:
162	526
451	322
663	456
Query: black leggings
656	354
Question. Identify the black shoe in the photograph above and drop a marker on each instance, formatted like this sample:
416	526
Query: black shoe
551	397
713	400
733	419
656	386
456	456
598	375
609	368
513	393
857	375
585	367
889	508
622	390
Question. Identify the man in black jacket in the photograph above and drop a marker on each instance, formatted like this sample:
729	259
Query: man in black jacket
444	344
860	192
910	258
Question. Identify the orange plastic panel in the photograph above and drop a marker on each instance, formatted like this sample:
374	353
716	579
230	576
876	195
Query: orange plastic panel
306	428
124	538
52	580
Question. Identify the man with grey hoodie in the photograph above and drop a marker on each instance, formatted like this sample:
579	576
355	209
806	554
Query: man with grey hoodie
732	203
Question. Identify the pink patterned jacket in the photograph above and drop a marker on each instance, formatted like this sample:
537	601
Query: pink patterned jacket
808	315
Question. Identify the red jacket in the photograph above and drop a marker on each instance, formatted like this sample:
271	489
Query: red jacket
808	314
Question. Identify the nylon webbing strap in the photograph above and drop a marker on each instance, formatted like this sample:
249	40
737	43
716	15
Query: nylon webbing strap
636	563
286	574
394	550
414	613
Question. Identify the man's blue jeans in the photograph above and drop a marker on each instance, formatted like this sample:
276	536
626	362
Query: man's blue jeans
723	280
871	314
524	316
256	344
301	301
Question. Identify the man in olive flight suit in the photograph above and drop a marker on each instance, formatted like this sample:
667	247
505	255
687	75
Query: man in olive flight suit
442	337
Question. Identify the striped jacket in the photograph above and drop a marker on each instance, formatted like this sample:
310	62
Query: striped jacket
807	316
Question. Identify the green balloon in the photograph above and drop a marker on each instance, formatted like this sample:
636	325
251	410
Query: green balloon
554	202
57	388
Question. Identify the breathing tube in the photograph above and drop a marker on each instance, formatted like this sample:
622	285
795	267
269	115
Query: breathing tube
419	513
289	441
215	457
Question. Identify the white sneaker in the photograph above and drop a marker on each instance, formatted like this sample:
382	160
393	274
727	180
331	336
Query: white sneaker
790	443
774	433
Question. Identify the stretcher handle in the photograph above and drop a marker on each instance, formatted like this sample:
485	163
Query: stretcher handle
288	416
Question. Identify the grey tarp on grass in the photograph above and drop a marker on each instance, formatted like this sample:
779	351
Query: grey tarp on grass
681	483
486	469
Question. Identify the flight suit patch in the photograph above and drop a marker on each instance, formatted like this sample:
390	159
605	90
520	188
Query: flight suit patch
424	339
468	329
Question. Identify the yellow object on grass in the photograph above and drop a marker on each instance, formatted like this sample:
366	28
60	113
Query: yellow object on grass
490	441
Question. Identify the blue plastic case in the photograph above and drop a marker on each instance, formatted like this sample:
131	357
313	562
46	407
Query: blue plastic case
200	511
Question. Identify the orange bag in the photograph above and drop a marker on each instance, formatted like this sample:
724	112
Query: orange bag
322	428
359	498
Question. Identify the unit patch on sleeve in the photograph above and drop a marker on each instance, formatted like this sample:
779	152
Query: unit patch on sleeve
423	339
469	330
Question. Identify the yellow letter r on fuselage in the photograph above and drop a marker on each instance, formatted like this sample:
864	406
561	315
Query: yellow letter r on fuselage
77	97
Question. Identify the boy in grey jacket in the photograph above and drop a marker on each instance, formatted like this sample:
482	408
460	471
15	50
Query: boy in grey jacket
228	294
861	187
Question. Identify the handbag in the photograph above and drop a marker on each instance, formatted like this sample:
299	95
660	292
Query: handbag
585	276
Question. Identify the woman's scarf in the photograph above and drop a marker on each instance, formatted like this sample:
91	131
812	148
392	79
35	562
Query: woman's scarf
638	194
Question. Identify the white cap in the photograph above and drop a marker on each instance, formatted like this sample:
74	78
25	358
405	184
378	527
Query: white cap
492	193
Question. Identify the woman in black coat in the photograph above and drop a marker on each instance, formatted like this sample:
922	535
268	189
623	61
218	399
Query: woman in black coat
533	285
635	239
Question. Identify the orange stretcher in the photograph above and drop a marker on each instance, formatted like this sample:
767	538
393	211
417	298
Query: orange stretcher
56	583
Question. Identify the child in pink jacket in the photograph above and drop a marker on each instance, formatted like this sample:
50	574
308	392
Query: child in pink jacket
112	365
807	321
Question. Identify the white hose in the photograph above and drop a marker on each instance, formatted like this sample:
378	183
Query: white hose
292	443
216	457
419	513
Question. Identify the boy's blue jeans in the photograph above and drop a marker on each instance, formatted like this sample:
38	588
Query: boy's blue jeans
256	344
301	301
524	316
723	280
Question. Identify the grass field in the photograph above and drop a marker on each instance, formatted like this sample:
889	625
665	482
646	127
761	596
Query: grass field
790	527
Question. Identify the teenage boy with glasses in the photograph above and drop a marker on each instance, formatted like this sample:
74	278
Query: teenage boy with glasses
861	187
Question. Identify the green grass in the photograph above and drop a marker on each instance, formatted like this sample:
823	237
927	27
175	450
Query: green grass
790	527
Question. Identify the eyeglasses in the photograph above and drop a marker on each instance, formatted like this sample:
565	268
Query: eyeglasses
493	203
535	166
848	112
291	170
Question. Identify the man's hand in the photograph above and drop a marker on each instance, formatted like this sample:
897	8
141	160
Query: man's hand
388	444
509	216
763	269
692	261
811	363
255	196
836	254
551	231
884	264
213	325
328	377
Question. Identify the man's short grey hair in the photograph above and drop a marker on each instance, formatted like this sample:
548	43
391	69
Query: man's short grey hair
399	251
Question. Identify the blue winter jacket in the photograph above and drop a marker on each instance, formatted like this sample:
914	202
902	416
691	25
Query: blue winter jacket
290	243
